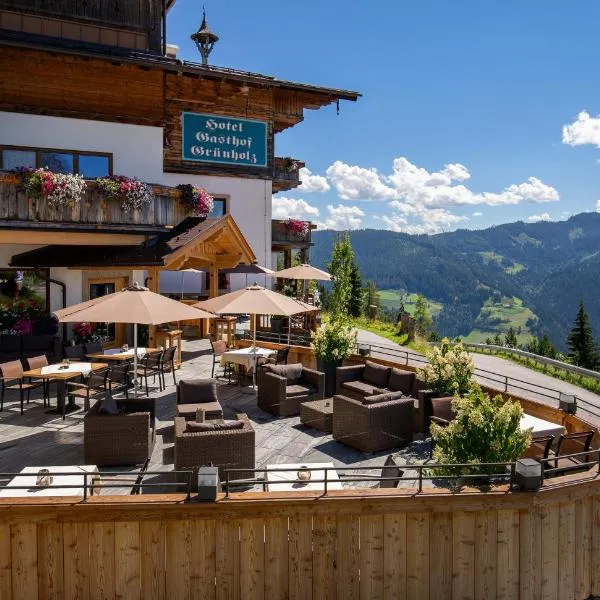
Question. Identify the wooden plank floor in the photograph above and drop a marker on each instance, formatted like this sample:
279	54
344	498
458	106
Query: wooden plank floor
40	439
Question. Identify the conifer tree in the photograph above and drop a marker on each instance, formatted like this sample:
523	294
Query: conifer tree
582	349
342	258
510	339
355	303
423	320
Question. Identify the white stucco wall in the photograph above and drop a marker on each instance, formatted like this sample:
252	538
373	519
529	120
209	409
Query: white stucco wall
137	152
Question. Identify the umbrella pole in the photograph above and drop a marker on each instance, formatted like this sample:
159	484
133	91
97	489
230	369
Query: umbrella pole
135	360
182	276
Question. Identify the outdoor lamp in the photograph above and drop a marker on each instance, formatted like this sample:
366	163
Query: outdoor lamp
568	403
208	484
528	474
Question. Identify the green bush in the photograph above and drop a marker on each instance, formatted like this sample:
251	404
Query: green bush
485	430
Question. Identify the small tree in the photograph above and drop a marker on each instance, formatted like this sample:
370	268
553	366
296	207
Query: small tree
510	339
422	316
546	347
582	349
497	340
340	267
485	430
355	304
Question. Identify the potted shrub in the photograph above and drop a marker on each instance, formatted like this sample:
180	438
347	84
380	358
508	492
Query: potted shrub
449	370
485	430
331	344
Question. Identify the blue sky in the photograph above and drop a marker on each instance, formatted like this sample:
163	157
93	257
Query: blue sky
464	108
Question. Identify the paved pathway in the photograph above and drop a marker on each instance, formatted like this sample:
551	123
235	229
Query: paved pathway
589	403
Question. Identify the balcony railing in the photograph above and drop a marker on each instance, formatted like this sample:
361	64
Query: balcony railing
94	210
282	234
286	174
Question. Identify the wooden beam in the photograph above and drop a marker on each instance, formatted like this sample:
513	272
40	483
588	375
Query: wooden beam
47	238
213	291
153	286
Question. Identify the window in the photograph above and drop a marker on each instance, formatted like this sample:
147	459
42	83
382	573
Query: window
88	164
219	208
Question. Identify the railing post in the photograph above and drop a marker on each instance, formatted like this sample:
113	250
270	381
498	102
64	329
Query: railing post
506	383
227	485
325	483
420	479
85	486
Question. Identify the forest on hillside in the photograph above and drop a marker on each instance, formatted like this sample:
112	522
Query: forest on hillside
547	266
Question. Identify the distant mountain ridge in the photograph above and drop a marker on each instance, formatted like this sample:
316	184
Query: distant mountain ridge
549	265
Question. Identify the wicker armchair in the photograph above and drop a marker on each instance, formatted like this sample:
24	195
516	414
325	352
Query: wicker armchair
124	439
378	423
193	394
283	388
226	449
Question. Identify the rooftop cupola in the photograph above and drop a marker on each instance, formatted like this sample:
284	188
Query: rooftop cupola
204	39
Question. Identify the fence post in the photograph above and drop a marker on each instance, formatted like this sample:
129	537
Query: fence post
325	483
85	486
506	383
420	479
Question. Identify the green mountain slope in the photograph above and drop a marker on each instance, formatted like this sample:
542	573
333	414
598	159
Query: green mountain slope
548	266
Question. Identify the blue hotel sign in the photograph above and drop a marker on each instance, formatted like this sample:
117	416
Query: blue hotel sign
224	140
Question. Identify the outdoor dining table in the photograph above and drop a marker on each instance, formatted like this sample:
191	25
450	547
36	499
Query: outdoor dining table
118	355
26	481
287	480
61	373
540	427
248	357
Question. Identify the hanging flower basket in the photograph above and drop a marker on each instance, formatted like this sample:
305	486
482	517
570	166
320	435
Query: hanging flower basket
58	189
296	227
132	194
197	200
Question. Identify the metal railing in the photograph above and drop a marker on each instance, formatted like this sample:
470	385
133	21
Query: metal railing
92	482
455	475
543	360
278	338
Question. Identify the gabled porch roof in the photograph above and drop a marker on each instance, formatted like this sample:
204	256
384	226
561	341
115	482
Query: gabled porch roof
192	244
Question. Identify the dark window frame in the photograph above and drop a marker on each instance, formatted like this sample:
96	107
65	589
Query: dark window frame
75	153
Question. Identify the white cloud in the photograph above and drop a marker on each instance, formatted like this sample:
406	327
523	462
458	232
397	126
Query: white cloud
312	183
538	218
584	130
597	205
342	217
534	191
478	214
357	183
296	208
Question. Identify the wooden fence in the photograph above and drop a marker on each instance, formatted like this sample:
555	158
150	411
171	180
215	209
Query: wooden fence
543	545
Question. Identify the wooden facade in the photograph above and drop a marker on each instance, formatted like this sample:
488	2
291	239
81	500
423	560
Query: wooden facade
543	545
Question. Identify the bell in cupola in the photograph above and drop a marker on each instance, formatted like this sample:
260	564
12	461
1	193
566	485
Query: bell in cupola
204	39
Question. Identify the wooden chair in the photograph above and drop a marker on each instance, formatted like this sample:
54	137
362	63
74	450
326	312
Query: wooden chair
219	348
94	388
573	443
539	448
167	362
150	366
118	379
37	362
11	378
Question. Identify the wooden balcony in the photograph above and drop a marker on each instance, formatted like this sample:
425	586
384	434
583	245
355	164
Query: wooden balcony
132	24
286	174
284	239
93	213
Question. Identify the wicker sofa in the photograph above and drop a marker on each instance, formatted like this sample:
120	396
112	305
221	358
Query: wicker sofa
226	449
283	388
375	423
126	438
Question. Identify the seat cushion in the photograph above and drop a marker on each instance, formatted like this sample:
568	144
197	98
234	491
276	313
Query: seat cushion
193	426
442	408
377	375
109	406
196	391
385	397
292	372
401	381
362	388
297	389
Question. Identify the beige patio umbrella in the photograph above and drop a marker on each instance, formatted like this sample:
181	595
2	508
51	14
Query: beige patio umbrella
255	300
134	304
303	272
